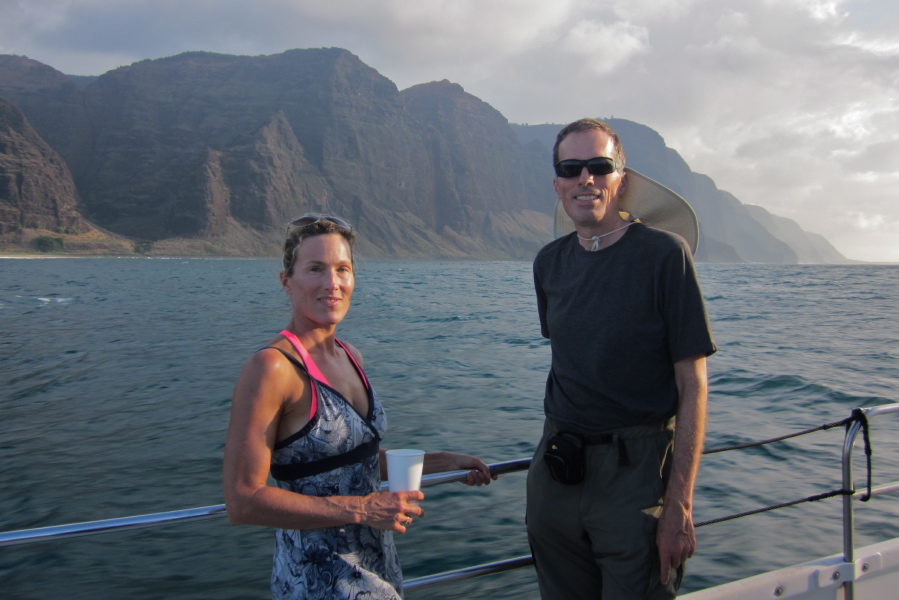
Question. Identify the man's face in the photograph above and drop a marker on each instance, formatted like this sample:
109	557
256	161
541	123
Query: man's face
590	200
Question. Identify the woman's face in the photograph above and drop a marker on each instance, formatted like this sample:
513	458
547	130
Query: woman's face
322	282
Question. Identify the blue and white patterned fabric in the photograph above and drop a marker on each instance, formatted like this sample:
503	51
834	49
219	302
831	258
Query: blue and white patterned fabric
348	562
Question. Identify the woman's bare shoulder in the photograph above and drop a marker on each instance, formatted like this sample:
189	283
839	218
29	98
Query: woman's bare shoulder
272	355
269	369
357	356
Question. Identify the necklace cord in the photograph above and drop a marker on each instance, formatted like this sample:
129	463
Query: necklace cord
597	238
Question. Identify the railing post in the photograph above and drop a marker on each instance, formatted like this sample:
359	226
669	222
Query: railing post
848	508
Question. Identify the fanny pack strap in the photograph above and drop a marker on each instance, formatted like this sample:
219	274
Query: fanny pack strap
617	436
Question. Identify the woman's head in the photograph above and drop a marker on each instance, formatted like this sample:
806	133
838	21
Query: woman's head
319	275
309	226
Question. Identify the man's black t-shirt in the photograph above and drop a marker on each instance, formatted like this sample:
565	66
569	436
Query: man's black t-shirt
617	320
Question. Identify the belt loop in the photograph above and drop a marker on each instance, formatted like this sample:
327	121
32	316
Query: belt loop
622	450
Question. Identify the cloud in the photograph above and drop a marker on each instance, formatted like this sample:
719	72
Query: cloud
601	48
880	46
864	221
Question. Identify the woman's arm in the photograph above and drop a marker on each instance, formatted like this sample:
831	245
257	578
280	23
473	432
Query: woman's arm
265	386
478	471
441	462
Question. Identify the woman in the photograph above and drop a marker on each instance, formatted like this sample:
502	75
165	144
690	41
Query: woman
304	411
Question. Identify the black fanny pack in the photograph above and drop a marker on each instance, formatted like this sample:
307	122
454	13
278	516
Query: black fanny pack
565	458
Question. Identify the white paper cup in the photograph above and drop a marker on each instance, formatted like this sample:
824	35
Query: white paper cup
404	470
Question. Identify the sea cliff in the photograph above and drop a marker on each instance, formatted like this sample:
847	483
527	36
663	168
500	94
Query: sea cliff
211	154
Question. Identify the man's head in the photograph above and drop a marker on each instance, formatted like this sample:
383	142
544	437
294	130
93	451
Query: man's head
590	176
587	125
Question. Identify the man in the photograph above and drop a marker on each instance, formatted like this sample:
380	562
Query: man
623	310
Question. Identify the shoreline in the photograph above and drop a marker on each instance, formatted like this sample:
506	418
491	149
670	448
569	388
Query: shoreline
209	257
133	257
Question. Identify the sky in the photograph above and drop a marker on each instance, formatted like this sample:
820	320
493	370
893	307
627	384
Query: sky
792	105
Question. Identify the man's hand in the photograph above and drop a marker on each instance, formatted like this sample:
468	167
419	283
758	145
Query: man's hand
675	538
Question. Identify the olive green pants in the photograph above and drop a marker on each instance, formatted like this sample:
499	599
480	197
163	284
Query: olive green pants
596	539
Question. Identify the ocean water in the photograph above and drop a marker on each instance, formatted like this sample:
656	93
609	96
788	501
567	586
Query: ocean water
116	376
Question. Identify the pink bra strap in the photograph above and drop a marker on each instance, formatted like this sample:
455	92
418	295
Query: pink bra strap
307	360
311	368
355	364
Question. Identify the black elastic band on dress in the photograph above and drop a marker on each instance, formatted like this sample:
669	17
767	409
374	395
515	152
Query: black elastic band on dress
288	356
300	470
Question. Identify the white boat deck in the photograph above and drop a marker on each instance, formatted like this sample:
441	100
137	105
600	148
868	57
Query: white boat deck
875	573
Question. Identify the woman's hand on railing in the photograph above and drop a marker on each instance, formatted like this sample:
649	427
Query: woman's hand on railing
478	471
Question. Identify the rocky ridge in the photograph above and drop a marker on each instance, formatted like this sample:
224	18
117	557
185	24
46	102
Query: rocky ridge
38	199
206	153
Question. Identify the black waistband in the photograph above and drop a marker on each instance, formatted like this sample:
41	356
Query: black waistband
612	436
616	436
300	470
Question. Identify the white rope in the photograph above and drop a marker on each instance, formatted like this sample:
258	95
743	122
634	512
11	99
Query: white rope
596	238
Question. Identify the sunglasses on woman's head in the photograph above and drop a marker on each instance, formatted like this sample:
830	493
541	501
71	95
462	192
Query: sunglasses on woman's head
307	220
600	165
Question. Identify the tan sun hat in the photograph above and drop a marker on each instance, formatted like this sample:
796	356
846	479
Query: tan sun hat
648	202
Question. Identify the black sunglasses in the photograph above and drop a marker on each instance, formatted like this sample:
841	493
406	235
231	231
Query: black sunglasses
307	220
600	165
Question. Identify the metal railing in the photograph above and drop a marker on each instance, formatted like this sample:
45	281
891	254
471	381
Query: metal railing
849	484
41	534
56	532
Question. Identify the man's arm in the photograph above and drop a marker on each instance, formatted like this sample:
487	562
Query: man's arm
676	538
